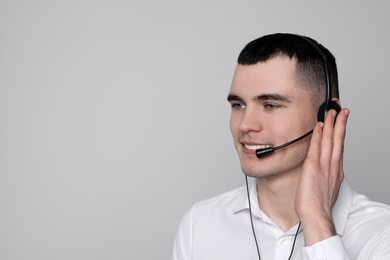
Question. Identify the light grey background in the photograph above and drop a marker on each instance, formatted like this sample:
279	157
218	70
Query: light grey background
114	119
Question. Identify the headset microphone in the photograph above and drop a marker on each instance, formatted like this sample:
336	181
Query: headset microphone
266	151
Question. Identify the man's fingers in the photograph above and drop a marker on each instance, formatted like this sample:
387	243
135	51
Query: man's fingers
327	142
339	139
315	143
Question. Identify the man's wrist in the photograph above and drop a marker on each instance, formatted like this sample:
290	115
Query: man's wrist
317	229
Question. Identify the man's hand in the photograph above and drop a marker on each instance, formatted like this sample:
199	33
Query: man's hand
321	178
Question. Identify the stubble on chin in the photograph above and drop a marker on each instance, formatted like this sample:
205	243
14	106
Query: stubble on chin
289	163
253	171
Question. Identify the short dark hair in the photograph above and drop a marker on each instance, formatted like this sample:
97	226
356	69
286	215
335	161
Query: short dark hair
309	61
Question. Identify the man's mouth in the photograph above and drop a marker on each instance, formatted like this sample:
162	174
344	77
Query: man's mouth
257	146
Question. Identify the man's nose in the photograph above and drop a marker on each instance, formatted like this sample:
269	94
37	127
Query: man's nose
251	121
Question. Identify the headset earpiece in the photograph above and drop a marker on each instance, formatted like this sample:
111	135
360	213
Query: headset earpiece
322	110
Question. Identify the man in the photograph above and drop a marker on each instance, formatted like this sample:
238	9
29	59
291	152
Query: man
300	206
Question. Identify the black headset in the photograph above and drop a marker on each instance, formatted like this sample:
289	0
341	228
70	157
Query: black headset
324	108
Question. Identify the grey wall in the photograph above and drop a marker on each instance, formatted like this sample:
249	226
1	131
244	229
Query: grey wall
114	120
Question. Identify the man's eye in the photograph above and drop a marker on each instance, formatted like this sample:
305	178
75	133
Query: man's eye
271	106
237	106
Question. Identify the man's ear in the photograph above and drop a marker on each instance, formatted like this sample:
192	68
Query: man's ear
337	101
334	104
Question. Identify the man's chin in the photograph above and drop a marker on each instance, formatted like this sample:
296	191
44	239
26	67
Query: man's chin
258	173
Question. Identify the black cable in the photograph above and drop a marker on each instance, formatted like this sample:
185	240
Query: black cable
250	216
295	239
253	228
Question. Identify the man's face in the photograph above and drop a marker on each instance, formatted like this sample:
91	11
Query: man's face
269	108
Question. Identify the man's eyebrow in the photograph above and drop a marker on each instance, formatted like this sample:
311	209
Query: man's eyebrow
232	97
274	97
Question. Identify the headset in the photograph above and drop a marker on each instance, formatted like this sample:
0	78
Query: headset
324	108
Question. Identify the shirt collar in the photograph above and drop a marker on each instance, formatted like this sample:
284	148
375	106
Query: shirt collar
241	203
340	211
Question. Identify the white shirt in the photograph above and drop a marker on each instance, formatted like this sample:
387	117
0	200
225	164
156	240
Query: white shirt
219	229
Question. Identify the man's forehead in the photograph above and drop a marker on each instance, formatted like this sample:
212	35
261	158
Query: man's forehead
277	73
276	80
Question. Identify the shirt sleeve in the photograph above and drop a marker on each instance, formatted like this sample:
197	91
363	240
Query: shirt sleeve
328	249
183	240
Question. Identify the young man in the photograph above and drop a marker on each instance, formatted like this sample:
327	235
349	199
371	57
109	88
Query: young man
300	206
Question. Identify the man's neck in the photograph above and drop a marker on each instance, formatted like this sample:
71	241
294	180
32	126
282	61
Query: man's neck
276	197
